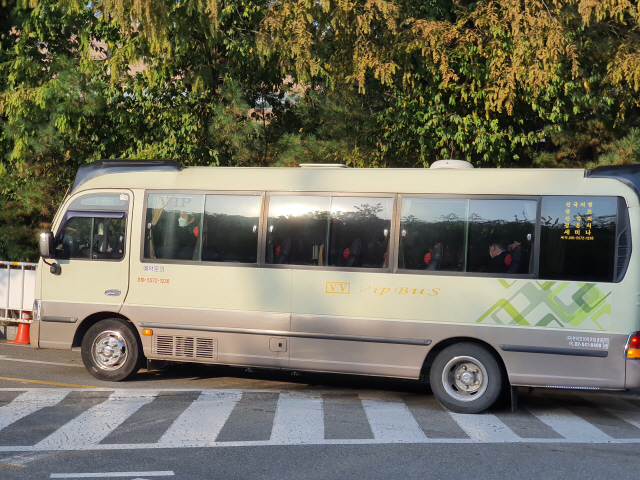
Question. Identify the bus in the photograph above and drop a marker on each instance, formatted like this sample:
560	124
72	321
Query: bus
473	280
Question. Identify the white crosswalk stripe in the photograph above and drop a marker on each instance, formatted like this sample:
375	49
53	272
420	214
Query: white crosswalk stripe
299	419
391	421
96	423
201	422
570	426
618	407
485	428
28	403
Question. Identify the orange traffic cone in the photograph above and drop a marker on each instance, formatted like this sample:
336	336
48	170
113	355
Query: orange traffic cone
22	338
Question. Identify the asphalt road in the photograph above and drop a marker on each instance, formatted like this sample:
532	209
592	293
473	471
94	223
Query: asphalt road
212	422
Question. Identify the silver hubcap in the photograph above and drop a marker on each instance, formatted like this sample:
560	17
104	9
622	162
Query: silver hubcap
465	378
109	350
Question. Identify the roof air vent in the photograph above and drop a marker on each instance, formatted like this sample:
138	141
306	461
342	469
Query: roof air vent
451	164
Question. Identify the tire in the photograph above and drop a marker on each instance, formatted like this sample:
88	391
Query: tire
466	378
122	357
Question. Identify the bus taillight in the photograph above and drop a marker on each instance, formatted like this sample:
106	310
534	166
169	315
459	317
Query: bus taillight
632	349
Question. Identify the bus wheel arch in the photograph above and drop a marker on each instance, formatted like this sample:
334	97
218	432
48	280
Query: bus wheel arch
466	375
90	321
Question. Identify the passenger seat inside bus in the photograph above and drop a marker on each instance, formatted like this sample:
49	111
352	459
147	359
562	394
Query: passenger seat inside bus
437	253
516	260
282	252
433	259
353	253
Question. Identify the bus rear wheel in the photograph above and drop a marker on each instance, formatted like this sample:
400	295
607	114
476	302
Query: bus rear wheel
111	350
466	378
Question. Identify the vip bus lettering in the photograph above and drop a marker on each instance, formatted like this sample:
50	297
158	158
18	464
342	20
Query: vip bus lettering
378	290
338	287
174	202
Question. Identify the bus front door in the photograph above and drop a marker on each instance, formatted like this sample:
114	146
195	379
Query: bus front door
91	251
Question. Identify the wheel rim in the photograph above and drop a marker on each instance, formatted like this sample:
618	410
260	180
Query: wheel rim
109	350
465	378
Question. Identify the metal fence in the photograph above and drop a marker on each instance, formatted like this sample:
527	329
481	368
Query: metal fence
17	289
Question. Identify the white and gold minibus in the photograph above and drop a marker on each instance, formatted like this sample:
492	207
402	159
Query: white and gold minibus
477	279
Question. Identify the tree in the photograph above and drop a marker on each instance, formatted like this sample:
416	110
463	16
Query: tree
47	105
367	83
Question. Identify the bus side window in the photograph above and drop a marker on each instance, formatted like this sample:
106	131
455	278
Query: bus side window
74	239
578	238
462	235
328	231
433	234
297	230
500	235
359	231
231	228
86	237
174	226
108	238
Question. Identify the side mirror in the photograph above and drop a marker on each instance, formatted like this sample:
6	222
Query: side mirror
45	245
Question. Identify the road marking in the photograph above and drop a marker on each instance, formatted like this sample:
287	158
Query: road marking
90	427
298	418
42	382
618	407
391	421
485	428
568	425
17	462
10	359
28	403
251	419
202	421
158	473
279	418
151	421
345	418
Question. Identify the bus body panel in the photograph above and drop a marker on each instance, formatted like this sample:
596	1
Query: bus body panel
60	320
569	367
446	182
632	373
240	337
454	298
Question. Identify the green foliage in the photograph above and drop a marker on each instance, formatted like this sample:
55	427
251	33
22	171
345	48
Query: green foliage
367	83
623	151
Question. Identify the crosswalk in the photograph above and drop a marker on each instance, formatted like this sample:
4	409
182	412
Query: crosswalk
75	419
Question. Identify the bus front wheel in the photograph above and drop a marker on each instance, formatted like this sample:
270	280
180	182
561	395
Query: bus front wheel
466	378
111	350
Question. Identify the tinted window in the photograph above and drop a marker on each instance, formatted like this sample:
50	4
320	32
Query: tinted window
91	238
297	230
492	236
231	228
578	238
173	226
328	231
359	231
433	233
117	202
500	235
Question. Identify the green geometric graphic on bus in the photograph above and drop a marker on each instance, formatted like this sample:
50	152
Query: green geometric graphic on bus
551	304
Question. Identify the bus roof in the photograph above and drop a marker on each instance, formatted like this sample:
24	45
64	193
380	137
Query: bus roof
169	175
